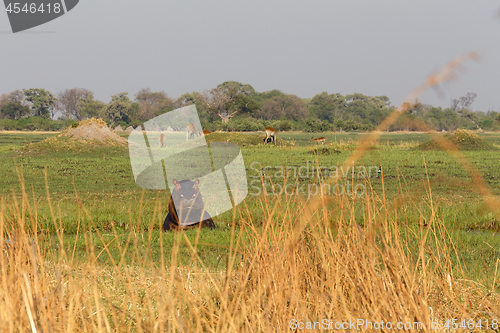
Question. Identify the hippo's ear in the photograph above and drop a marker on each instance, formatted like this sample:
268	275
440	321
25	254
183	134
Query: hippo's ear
177	185
196	182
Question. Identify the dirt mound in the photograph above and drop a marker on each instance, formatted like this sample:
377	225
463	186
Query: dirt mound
93	130
85	136
463	139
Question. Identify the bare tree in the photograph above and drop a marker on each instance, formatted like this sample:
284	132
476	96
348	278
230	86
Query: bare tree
467	100
464	102
463	105
14	105
13	97
218	102
67	102
454	104
3	100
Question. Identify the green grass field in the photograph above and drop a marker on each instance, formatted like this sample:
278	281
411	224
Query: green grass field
82	248
109	200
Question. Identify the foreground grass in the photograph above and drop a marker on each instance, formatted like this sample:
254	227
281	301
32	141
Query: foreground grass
303	264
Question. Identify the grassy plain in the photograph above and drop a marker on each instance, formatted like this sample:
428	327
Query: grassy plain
102	179
80	205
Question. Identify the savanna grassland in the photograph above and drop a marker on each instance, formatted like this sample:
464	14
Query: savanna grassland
416	242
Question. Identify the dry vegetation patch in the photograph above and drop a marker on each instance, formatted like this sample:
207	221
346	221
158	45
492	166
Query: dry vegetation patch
462	139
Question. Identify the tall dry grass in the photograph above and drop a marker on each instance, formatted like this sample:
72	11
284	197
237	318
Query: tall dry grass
325	268
310	262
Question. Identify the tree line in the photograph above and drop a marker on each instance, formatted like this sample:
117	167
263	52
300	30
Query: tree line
233	106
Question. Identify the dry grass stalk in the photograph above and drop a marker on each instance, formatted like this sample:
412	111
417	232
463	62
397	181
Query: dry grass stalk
336	271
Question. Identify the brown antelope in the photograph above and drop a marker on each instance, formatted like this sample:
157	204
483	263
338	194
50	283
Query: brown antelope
318	140
270	133
191	131
162	140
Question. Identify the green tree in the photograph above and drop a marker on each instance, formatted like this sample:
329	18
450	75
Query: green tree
357	106
434	117
199	100
191	98
229	99
366	110
385	99
327	107
245	104
233	88
119	109
451	119
88	107
261	97
42	102
486	123
469	116
152	104
14	110
284	106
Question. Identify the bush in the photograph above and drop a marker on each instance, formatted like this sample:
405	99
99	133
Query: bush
237	124
245	125
366	127
35	124
284	125
8	124
134	124
315	125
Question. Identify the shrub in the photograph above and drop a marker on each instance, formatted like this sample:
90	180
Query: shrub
316	125
284	125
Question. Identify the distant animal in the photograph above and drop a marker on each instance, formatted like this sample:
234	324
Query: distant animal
270	133
318	140
162	140
186	208
191	131
379	171
205	132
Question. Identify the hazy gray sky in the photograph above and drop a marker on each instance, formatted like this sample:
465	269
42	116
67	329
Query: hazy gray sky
299	47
